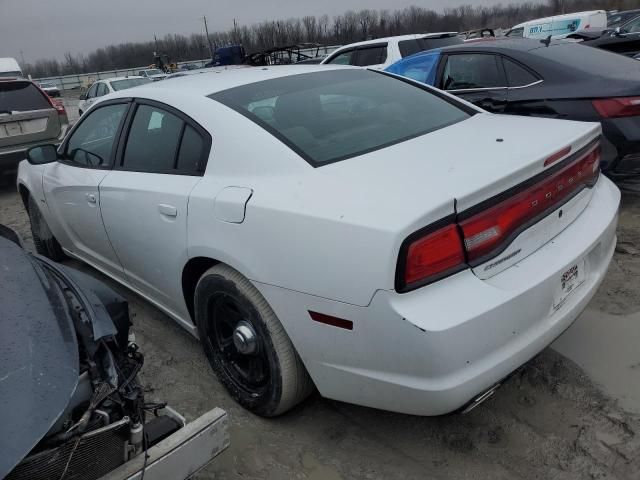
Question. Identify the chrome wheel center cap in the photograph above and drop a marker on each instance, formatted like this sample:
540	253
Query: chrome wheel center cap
244	338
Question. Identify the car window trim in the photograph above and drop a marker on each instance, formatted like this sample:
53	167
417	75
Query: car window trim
186	120
63	146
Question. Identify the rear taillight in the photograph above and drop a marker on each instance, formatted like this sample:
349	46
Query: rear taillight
617	107
59	106
483	232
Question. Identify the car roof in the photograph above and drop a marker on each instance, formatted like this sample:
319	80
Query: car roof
217	80
503	44
397	38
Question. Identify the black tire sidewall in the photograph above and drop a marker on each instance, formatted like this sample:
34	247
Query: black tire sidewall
266	402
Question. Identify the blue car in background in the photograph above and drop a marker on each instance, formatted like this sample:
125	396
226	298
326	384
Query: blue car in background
552	79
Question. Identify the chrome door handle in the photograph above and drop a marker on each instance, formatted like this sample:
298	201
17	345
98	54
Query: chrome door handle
91	198
168	210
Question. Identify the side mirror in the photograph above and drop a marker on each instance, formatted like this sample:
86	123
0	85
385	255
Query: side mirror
42	154
617	32
83	96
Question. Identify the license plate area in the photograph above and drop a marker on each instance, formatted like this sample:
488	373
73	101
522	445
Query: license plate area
570	280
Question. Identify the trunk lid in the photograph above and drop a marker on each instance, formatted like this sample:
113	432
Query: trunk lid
451	170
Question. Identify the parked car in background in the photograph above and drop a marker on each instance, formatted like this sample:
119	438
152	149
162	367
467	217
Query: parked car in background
9	68
312	60
50	89
154	74
624	39
615	19
72	404
106	86
382	52
559	26
563	80
403	199
28	117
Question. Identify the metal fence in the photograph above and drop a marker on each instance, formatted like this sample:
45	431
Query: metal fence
84	80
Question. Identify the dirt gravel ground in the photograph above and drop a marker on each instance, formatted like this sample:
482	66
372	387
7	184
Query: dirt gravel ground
548	422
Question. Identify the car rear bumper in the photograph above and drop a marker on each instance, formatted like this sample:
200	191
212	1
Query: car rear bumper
432	350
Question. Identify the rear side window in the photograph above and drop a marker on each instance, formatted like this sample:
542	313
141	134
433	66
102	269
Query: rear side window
102	90
421	67
343	58
518	76
153	140
330	116
92	142
472	71
516	32
371	56
21	97
161	142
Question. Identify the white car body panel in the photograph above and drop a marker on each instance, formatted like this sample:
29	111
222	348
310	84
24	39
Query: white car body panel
327	239
559	26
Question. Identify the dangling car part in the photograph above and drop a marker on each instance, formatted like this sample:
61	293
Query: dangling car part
72	404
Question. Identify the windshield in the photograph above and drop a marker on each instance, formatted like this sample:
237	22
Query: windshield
128	83
21	97
15	73
331	116
47	85
154	71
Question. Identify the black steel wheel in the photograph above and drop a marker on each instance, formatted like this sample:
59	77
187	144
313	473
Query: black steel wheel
246	344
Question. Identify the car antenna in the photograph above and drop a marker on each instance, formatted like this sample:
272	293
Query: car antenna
546	41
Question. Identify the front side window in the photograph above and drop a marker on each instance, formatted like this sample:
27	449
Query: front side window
102	90
632	27
337	114
92	143
371	56
343	58
92	91
516	32
472	71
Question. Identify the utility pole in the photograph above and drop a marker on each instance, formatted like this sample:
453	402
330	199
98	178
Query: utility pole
235	32
207	33
22	57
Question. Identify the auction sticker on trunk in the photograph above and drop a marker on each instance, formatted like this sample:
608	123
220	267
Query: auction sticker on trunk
570	280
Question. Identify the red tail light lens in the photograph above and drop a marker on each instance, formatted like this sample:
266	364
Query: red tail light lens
483	232
59	106
617	107
491	230
431	256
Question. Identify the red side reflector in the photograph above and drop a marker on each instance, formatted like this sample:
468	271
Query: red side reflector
617	107
557	156
333	321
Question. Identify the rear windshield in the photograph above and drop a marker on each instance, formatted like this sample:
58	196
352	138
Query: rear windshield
21	97
331	116
409	47
128	83
153	72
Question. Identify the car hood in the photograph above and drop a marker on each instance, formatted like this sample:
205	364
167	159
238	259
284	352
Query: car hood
38	354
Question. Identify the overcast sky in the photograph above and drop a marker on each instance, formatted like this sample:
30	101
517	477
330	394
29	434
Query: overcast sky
49	28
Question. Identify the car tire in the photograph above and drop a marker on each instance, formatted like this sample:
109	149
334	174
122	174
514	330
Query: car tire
44	241
263	373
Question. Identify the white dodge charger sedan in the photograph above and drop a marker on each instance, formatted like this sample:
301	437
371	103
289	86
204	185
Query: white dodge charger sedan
334	227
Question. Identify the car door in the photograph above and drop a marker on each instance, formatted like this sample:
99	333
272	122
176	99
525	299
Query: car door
476	77
71	186
144	199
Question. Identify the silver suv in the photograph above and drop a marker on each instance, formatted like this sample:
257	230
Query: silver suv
28	117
